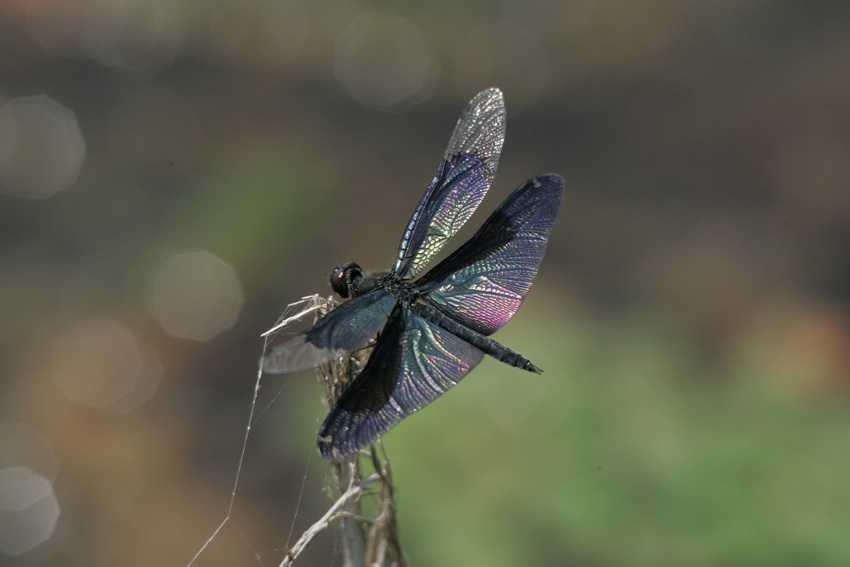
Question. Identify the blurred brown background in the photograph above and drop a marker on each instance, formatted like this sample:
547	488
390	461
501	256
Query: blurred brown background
172	174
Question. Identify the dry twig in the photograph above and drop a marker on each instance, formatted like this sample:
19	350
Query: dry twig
333	512
366	541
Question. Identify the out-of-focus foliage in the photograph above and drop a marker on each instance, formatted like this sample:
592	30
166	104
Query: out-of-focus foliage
172	174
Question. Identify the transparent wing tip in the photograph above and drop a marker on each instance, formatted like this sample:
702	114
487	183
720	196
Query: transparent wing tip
295	355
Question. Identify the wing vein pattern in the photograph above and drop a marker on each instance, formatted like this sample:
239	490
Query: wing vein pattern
462	180
344	329
483	283
413	363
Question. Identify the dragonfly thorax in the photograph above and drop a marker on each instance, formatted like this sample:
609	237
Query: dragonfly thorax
350	280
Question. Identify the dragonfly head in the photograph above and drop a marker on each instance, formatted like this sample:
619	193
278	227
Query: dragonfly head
345	280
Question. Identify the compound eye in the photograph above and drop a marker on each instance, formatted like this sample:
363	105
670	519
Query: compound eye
345	280
338	283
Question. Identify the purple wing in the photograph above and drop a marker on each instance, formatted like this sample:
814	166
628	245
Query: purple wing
413	363
462	180
342	330
484	282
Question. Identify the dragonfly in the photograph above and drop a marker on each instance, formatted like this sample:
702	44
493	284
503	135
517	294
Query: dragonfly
433	329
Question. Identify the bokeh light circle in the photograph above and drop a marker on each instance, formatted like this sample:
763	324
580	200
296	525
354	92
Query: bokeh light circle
29	510
41	147
385	61
195	295
97	362
142	36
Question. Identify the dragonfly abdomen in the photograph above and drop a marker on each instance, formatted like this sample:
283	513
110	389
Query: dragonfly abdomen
497	350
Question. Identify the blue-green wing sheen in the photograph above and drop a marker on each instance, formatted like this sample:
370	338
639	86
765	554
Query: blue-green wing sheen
462	180
483	283
413	363
343	330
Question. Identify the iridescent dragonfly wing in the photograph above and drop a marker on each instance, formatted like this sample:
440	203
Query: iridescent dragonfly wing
462	180
483	283
344	329
413	363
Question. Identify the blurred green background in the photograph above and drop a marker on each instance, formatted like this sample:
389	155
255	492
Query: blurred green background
172	174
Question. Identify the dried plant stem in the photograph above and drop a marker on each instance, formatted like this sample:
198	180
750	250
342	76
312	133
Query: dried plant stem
366	542
333	512
380	546
347	472
384	547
